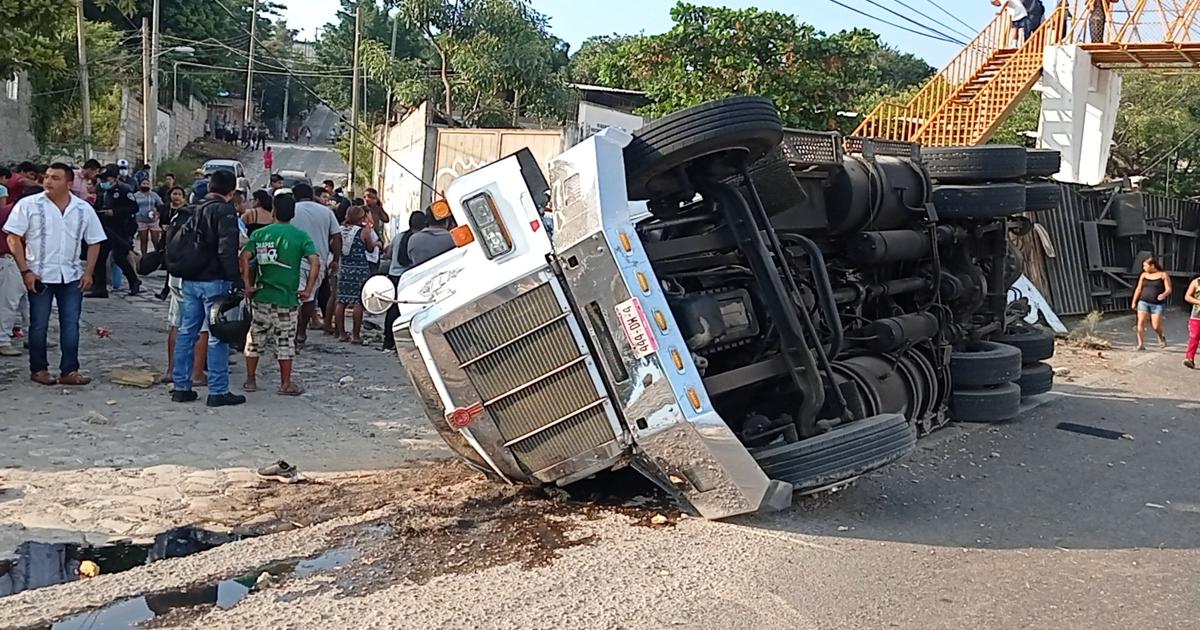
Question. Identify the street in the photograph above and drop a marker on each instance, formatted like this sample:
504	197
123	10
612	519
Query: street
318	160
1018	525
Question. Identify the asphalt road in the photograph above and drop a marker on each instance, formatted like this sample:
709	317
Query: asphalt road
318	160
1022	525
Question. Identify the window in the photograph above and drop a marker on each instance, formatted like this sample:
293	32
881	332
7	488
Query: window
11	87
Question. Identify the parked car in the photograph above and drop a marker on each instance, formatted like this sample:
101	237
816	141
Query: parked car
232	166
291	178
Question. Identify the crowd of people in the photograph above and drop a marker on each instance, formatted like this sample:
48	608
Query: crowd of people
255	270
252	136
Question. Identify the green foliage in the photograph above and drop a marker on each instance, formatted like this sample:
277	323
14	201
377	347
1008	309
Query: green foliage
1156	132
1023	119
365	165
335	53
33	31
490	61
714	52
57	102
599	62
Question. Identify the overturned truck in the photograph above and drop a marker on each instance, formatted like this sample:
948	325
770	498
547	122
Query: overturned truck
736	310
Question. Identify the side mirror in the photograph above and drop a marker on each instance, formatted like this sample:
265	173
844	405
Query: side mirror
378	294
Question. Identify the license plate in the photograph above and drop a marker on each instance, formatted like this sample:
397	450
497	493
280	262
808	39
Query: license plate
637	328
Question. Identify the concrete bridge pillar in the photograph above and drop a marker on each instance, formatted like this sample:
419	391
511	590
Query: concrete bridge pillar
1079	112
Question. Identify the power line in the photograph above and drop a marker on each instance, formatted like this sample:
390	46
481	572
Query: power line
955	17
918	24
952	29
307	88
893	24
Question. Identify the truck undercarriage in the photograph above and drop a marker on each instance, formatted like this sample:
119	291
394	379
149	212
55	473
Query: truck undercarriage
786	310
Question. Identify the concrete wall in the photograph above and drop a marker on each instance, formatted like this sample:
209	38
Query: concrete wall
177	127
411	143
16	135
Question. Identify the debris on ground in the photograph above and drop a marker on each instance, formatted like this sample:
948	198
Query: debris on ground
97	418
144	379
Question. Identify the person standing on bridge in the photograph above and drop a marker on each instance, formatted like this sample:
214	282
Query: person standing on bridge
1020	16
1098	19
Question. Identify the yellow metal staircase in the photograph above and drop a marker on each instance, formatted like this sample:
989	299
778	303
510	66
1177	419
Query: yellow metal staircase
965	103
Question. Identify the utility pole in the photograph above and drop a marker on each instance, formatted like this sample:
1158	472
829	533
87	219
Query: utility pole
287	96
354	99
387	107
147	128
250	62
86	105
153	97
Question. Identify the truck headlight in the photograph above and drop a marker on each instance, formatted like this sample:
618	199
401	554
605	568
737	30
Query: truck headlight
488	225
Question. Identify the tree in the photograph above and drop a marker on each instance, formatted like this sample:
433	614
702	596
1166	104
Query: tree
491	61
715	52
1156	132
335	53
598	62
32	32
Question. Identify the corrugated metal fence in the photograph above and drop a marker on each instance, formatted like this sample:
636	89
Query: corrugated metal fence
1100	236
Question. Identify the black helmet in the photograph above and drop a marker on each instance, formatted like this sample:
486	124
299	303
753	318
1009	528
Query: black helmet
229	319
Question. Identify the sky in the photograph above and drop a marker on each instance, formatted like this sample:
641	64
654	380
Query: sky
576	20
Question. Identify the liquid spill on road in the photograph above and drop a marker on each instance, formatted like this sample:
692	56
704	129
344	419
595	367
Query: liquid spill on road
132	612
39	564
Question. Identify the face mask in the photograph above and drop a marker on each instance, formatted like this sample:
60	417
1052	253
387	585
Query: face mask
106	185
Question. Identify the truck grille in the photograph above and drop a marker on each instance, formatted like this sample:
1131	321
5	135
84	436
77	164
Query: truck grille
523	360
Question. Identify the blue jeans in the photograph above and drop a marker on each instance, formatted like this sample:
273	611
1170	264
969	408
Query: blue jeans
70	304
1152	308
198	298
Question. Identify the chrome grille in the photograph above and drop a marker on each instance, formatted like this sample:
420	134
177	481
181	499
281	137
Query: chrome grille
523	360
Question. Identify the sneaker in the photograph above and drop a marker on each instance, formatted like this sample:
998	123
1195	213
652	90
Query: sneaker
280	470
1189	364
7	350
184	396
228	399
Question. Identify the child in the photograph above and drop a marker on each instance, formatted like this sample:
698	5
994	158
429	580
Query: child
1193	297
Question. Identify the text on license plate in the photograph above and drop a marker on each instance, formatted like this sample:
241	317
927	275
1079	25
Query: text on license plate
637	328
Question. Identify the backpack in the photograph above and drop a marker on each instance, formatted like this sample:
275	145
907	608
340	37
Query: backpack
187	253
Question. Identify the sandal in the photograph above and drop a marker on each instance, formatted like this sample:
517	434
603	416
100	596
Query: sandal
249	387
74	378
44	378
357	342
292	389
344	339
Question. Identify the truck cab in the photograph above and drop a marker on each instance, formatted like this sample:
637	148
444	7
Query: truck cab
736	311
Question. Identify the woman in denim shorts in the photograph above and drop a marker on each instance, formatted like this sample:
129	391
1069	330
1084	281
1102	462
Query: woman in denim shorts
1150	301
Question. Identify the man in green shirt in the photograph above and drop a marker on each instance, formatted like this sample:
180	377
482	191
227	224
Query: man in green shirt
271	282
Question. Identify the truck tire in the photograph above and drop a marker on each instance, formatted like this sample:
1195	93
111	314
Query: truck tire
999	403
981	202
974	164
1034	342
1042	162
984	364
1036	379
749	124
1042	196
843	453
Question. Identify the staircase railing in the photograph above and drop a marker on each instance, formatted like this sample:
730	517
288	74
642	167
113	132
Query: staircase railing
899	121
973	122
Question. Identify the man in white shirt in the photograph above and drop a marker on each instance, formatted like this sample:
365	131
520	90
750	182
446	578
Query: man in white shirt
1020	16
44	232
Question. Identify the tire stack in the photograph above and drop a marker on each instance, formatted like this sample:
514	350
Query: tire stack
991	181
989	378
984	379
1036	345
